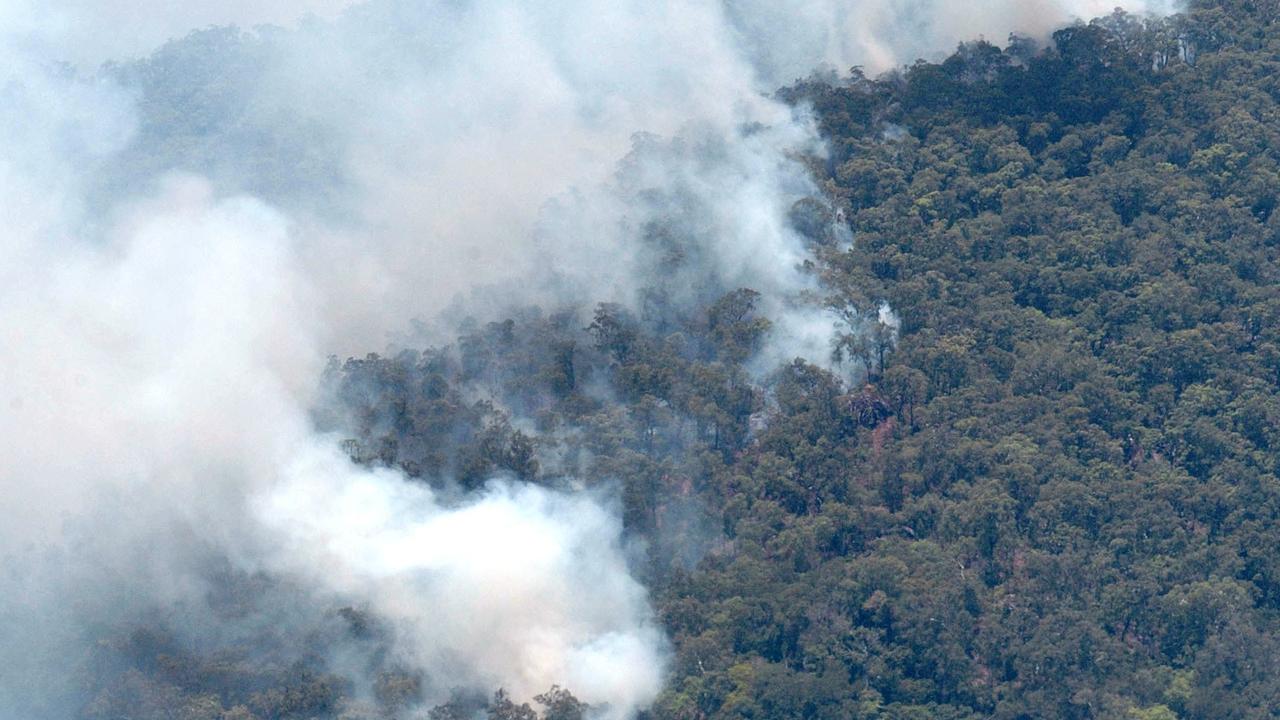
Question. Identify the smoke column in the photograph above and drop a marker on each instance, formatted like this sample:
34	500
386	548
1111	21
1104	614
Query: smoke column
164	323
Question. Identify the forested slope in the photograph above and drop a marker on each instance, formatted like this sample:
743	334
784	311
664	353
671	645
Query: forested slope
1052	492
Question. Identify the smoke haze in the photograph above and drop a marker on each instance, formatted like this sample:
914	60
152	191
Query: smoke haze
171	288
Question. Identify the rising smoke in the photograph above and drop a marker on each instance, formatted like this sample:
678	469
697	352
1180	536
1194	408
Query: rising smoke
167	307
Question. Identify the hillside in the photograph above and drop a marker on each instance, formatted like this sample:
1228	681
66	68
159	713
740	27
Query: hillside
1043	486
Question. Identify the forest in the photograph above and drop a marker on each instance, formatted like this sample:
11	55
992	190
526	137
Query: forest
1045	487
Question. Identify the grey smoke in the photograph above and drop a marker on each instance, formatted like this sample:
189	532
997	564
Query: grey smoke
164	327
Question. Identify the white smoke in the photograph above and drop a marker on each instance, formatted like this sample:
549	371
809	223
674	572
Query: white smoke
159	386
522	585
789	39
90	32
161	358
161	351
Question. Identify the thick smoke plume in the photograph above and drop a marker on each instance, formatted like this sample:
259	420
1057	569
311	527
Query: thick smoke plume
168	297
